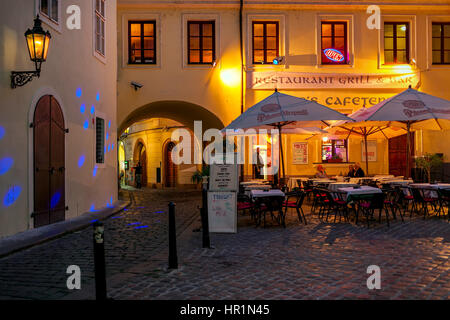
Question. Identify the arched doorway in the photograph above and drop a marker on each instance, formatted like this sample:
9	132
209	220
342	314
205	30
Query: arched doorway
170	174
140	156
49	162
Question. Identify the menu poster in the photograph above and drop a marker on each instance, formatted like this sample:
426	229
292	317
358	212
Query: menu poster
222	215
371	150
224	177
300	153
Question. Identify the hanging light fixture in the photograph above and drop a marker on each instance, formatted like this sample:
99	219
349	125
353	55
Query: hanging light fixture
38	42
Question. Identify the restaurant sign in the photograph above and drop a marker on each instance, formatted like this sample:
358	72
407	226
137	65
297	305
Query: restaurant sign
298	80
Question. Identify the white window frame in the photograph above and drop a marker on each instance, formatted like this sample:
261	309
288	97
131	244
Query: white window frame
184	38
97	54
349	18
281	18
56	25
141	16
429	43
411	19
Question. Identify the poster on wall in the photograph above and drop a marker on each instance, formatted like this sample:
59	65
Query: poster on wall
222	212
371	150
300	153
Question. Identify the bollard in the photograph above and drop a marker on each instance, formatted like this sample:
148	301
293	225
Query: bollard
173	258
99	261
204	214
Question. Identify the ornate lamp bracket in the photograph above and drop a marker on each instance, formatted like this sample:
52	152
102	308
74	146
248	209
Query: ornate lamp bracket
21	78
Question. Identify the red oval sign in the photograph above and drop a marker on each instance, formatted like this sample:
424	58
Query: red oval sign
333	54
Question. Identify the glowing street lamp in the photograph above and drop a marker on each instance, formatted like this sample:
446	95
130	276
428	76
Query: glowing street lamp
38	42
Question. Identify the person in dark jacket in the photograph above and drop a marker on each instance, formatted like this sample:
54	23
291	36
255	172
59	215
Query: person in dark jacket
138	175
351	171
358	171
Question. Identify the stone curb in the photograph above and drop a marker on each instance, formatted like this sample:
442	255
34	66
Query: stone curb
33	237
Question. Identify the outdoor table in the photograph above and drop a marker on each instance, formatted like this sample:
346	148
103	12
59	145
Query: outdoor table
333	187
316	181
251	182
257	187
430	189
269	193
351	193
359	179
398	182
292	183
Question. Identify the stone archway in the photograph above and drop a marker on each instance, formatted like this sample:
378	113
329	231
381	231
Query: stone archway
184	112
140	156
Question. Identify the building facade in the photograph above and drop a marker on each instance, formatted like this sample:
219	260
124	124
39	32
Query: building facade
187	56
58	132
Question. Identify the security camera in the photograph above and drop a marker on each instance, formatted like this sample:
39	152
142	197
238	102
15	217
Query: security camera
136	85
278	60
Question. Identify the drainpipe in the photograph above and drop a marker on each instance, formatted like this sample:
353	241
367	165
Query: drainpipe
242	53
241	35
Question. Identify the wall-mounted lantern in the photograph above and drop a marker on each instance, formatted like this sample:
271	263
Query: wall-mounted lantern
38	42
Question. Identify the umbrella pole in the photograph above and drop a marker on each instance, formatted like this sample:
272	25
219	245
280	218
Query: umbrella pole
408	149
280	146
367	155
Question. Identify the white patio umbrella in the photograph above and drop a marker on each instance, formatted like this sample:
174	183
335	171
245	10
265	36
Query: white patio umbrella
411	110
285	111
345	128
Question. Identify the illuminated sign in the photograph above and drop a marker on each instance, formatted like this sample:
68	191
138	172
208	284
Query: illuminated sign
333	55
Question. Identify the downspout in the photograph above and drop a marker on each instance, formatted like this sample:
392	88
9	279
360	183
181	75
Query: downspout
241	7
241	38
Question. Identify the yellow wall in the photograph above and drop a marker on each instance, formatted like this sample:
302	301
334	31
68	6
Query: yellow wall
171	79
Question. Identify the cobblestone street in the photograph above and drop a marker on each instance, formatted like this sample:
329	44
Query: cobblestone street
317	261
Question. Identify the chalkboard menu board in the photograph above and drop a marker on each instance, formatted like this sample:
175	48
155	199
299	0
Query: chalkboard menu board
224	177
222	212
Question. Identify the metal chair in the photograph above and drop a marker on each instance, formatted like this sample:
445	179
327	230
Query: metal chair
299	197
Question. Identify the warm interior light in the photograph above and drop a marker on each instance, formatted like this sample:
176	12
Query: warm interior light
325	139
230	77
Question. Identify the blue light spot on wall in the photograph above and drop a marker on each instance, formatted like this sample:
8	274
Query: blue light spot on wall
79	92
105	150
112	146
92	109
109	147
5	165
92	208
81	161
109	124
12	195
2	132
83	108
86	124
55	200
141	227
94	173
97	97
107	136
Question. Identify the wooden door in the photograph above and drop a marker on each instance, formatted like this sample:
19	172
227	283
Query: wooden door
49	162
397	155
170	176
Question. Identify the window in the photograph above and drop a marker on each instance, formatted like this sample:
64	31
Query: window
141	42
334	42
201	42
265	41
396	42
334	151
99	140
100	26
441	42
49	8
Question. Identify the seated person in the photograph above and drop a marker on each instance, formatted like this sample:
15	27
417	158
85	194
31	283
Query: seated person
358	171
321	173
351	171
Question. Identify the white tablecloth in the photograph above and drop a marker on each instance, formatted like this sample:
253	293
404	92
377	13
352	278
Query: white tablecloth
257	187
358	179
317	181
292	182
397	182
431	186
336	185
362	190
270	193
